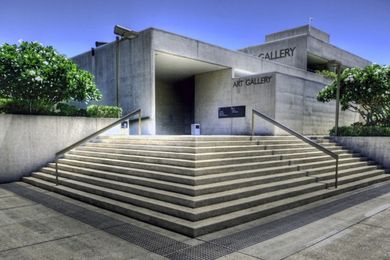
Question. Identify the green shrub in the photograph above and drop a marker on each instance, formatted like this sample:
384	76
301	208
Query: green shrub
361	130
10	106
104	111
69	110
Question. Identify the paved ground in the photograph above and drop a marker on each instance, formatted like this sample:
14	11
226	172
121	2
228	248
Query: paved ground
36	224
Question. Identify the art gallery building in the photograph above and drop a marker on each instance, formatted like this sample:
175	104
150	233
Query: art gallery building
178	81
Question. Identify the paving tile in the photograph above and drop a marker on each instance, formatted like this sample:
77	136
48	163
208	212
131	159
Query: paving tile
93	245
358	242
238	256
381	219
306	235
25	213
40	230
14	202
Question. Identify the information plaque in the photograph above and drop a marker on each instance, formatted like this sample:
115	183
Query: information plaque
226	112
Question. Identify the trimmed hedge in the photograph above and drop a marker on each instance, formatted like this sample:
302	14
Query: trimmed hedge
104	111
361	130
9	106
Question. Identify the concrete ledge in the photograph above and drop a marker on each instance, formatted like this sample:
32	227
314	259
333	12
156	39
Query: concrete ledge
29	142
376	148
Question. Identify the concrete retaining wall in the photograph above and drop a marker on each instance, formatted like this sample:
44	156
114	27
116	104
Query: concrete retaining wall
29	142
376	148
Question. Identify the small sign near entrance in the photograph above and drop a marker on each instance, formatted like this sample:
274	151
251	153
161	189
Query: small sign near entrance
226	112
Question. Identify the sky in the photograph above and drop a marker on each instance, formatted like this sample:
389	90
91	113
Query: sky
72	26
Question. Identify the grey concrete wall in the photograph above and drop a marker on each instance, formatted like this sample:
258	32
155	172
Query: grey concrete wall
30	142
331	52
306	29
298	44
298	108
136	75
186	47
376	148
215	89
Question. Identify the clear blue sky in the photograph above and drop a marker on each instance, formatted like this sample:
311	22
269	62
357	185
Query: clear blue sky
72	26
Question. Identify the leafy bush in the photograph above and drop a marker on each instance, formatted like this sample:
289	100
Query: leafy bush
366	91
68	110
10	106
361	130
35	74
104	111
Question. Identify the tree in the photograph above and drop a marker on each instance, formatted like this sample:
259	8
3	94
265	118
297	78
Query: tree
37	74
366	91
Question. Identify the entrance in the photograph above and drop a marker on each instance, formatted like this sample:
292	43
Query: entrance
175	86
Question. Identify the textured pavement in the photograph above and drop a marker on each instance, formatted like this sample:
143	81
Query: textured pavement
36	224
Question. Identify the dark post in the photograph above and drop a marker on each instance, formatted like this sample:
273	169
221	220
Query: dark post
338	69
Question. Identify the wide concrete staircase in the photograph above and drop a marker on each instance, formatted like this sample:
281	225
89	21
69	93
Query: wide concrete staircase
196	185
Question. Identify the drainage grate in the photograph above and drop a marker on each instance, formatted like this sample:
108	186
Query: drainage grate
204	251
146	239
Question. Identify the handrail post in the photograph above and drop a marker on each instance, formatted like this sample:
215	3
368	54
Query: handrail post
139	122
336	172
253	124
56	171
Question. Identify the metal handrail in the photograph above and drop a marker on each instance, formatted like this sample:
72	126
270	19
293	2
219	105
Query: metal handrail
298	135
82	141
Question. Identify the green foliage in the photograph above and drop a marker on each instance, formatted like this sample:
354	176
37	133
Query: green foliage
361	130
10	106
104	111
32	73
366	91
327	74
68	110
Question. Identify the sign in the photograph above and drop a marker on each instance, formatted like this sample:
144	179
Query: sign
252	81
124	124
226	112
277	54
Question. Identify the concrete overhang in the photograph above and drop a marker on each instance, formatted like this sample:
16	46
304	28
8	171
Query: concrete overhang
171	68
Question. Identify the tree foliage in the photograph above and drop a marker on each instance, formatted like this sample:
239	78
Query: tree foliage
366	91
37	74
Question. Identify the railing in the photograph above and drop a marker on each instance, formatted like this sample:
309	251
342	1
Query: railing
82	141
298	135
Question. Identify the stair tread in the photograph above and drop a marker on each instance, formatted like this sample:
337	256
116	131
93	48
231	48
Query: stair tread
213	220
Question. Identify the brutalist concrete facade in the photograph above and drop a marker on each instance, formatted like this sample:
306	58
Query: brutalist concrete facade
177	81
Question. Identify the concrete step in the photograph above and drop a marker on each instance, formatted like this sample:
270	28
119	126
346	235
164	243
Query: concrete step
235	218
355	177
199	137
94	168
201	163
317	160
183	211
188	149
202	156
200	143
213	193
330	175
187	189
208	225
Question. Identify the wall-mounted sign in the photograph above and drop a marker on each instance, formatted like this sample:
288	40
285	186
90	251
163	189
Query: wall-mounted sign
277	54
246	82
124	124
226	112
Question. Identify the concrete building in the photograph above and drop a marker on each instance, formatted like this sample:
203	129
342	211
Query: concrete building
177	81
